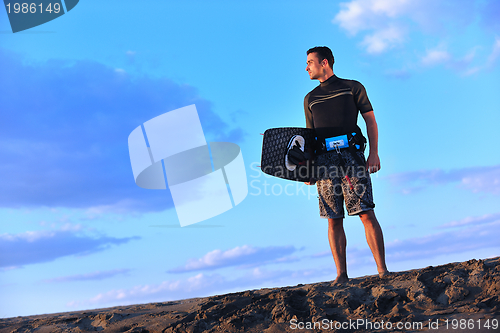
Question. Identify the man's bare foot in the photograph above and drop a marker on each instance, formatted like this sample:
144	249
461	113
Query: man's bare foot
384	274
342	278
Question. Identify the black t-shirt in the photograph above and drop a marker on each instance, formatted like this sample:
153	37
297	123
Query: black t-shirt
332	107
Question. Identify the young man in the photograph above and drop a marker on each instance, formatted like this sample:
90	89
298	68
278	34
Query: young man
332	110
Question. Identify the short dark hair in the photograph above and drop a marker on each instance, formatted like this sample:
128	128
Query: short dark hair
323	52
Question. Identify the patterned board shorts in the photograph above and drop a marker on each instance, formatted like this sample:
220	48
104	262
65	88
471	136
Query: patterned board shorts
334	189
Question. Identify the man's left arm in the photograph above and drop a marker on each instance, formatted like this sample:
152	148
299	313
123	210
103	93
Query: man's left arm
373	161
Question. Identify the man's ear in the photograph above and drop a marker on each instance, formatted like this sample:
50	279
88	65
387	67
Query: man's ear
324	63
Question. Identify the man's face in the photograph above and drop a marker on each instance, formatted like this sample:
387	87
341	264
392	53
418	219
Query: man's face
314	67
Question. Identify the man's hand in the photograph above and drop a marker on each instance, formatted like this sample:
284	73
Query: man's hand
373	163
296	155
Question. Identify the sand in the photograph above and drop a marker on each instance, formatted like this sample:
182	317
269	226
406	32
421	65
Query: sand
457	297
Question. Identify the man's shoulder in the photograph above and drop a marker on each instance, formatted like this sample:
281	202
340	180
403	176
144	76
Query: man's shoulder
356	87
350	82
309	94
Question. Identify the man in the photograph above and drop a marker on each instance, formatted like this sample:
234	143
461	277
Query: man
332	110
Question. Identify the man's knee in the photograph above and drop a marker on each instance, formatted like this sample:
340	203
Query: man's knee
368	217
335	223
367	214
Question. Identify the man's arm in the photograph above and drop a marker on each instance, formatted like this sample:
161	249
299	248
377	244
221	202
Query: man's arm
308	113
373	161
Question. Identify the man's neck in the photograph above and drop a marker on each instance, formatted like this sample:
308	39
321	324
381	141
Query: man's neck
325	77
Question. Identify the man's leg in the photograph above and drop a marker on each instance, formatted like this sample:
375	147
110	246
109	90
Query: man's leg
375	240
338	243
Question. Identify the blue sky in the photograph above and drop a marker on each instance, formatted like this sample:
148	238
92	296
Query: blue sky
77	233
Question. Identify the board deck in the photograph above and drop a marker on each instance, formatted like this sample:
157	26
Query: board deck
275	147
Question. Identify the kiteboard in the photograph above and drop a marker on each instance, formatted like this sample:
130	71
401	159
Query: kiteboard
276	158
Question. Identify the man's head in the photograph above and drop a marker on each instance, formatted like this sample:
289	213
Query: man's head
320	63
323	52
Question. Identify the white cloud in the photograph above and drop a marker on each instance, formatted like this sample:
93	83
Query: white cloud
119	207
99	275
495	53
27	236
383	39
487	64
33	247
358	15
238	256
382	25
350	18
195	286
471	238
435	56
472	220
469	234
202	285
379	19
463	65
484	179
487	181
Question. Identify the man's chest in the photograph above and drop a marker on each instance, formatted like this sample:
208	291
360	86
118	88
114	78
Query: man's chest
329	100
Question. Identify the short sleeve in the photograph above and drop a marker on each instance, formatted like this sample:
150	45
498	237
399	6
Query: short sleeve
361	98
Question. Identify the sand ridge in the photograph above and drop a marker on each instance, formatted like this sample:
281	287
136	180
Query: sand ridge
457	297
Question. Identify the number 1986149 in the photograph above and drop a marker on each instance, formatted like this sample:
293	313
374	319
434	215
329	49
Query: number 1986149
472	324
32	8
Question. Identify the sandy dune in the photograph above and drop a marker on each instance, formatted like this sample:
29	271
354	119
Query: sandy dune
457	297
